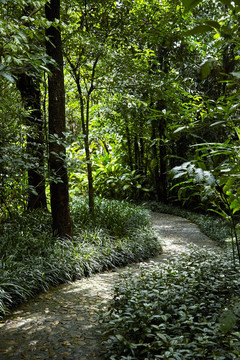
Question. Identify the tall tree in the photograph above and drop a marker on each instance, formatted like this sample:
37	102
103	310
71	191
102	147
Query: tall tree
28	83
20	51
85	49
57	125
31	96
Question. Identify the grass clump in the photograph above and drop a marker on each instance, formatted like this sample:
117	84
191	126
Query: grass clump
118	218
33	261
186	310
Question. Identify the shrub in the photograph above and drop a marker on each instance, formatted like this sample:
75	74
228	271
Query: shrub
187	310
119	218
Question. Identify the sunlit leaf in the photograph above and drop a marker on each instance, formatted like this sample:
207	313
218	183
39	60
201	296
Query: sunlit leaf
236	74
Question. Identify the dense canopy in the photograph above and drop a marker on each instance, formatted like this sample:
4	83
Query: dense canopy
125	99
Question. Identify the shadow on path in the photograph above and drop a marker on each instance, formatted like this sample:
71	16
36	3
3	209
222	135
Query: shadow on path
62	324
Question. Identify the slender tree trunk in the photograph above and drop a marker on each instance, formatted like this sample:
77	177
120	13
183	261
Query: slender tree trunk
156	173
85	130
129	145
89	163
136	153
142	162
163	190
30	94
163	165
57	127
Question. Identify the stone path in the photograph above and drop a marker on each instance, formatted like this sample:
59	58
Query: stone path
62	324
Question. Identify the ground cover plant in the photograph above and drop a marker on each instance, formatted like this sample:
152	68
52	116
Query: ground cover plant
186	310
32	260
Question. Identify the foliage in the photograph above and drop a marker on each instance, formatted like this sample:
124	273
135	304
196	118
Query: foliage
119	218
111	179
135	73
14	160
20	49
186	310
32	260
214	178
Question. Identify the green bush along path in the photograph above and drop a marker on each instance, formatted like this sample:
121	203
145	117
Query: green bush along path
62	323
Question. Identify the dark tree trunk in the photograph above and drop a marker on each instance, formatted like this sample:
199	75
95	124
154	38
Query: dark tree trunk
162	154
89	162
156	173
163	165
85	130
136	153
85	112
142	159
129	145
57	126
30	94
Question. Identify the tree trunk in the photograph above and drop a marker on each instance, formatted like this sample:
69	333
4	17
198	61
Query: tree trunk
136	153
89	163
163	190
129	146
156	163
57	127
163	165
30	94
85	130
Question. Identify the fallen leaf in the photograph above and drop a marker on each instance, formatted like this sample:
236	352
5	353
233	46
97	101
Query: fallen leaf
80	342
51	353
66	343
56	322
48	330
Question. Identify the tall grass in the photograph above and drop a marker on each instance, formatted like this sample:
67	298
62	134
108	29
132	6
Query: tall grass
33	261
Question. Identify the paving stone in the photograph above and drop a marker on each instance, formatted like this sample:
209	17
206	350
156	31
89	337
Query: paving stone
62	324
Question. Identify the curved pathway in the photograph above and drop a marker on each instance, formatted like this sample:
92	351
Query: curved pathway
62	324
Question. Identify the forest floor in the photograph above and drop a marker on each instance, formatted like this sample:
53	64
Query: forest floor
62	323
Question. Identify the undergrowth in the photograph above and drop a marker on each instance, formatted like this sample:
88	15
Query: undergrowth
33	261
186	310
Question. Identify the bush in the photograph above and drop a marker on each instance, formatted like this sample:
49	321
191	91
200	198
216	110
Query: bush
33	261
187	310
118	218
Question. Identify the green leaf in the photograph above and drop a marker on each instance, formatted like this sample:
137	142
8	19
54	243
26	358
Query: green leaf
180	128
199	29
190	4
7	76
213	24
236	74
229	2
206	68
162	337
227	321
120	337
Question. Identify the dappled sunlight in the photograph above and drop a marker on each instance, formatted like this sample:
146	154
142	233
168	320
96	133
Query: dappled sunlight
57	325
62	323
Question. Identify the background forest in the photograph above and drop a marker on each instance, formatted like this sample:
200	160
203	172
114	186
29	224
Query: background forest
151	94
